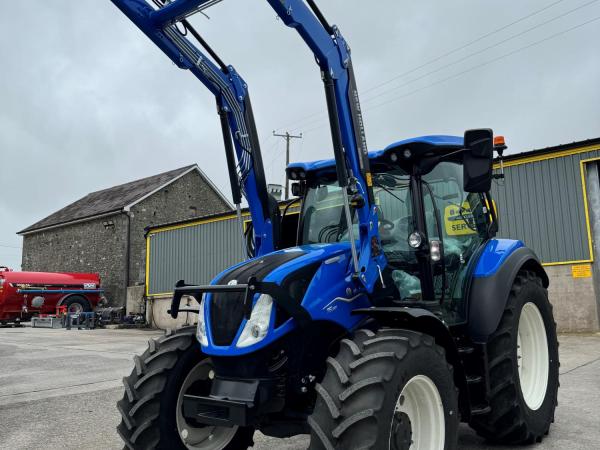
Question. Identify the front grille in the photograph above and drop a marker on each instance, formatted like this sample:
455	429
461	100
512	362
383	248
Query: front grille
227	309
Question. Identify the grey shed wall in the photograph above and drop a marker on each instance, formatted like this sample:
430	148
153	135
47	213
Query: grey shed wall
541	203
195	252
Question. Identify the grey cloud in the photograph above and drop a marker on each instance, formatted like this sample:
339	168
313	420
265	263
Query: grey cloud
86	101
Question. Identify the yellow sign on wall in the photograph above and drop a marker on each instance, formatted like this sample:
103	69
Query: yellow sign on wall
459	220
581	271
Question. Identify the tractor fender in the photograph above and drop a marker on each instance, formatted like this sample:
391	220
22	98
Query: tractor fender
415	319
491	284
402	316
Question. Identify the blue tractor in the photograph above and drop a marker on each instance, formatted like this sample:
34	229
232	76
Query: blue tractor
395	316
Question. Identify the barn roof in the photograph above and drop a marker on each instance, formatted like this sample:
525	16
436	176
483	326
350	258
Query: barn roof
115	199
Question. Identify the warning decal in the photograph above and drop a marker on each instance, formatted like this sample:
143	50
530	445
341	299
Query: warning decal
581	271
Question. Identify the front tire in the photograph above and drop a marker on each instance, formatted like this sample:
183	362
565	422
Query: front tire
151	406
385	390
523	368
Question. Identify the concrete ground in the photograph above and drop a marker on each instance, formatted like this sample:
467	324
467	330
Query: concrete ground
58	390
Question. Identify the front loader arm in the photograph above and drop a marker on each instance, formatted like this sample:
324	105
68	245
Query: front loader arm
245	167
332	54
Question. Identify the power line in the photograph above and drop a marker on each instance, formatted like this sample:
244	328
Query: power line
468	44
276	156
9	246
486	63
478	52
437	58
420	77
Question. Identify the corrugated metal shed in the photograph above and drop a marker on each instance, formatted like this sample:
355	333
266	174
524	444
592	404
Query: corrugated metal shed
195	251
541	202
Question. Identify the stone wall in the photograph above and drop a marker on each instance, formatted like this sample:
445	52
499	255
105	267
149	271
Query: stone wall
91	247
573	299
82	247
189	196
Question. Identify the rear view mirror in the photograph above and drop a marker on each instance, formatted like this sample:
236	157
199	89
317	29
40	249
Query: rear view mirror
477	160
297	189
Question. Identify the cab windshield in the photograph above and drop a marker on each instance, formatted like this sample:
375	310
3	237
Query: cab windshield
324	220
456	219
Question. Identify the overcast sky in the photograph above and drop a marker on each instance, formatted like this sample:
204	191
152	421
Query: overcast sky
88	102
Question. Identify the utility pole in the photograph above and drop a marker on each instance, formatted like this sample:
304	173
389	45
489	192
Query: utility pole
288	137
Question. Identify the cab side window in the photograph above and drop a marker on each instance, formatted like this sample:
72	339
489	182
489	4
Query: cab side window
458	219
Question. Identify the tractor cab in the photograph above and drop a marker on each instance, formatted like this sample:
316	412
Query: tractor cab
430	227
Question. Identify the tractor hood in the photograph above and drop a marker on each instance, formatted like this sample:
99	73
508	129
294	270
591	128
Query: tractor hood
278	265
293	269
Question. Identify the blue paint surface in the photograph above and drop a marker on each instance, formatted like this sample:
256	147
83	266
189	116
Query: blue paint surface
326	298
440	141
494	255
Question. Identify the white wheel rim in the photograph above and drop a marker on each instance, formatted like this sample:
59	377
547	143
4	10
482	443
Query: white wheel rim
420	400
532	356
200	438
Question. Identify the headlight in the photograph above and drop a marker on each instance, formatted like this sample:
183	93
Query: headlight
257	327
415	239
201	333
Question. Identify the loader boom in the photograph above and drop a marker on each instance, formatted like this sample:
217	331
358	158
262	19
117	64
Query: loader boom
246	169
332	54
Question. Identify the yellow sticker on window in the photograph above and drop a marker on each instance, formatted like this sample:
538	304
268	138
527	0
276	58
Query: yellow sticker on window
581	271
459	220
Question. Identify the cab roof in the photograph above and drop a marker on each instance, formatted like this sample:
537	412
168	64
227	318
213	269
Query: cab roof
419	146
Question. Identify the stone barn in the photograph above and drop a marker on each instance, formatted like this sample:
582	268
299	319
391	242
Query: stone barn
104	231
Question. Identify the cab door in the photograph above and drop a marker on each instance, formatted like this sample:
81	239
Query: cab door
457	224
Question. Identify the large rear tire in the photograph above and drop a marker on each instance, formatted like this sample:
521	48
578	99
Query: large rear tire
523	364
151	406
386	390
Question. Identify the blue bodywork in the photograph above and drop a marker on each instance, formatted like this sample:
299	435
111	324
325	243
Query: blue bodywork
326	298
493	256
433	141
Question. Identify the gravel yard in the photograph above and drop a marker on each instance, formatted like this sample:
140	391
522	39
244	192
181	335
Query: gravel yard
58	390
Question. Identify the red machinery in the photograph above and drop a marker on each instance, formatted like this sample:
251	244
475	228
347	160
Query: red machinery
23	294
